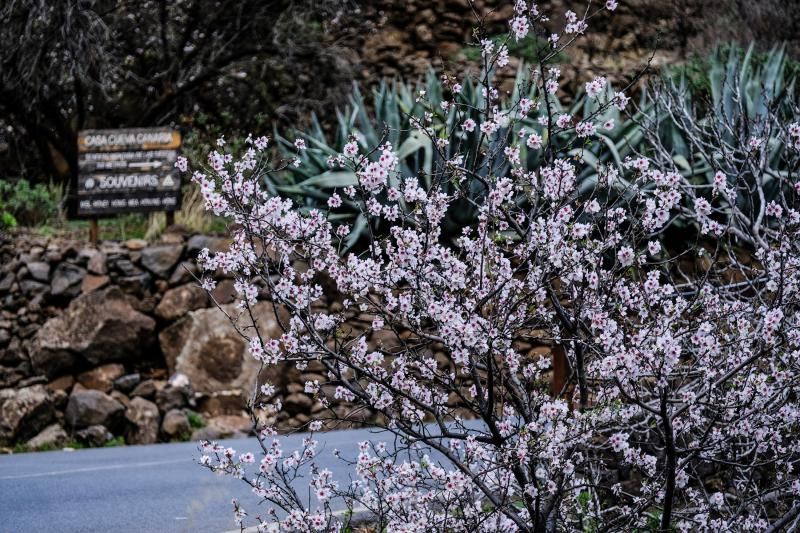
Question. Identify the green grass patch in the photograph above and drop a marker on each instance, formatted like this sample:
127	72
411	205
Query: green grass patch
116	441
196	420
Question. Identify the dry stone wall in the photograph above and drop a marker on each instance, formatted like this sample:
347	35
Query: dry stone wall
118	340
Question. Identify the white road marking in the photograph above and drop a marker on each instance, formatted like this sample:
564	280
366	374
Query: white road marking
94	469
356	510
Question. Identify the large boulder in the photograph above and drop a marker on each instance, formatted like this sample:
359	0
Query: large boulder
207	349
143	422
100	327
23	412
161	258
178	301
92	407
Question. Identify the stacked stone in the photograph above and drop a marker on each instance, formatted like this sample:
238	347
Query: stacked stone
119	340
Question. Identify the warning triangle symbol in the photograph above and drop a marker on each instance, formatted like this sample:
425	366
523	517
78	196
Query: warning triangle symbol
168	182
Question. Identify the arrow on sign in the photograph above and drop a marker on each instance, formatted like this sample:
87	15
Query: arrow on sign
145	164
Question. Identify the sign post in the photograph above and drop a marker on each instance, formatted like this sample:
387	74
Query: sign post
127	171
94	231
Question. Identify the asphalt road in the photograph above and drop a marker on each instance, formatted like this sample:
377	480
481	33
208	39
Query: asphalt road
156	488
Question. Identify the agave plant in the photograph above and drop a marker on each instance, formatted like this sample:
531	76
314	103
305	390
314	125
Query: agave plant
745	99
736	129
312	182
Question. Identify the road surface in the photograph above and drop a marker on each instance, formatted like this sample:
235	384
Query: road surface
155	488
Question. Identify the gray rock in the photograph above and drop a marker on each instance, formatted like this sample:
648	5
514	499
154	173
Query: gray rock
52	436
127	382
142	419
6	282
127	268
92	407
84	254
121	398
26	331
183	273
209	434
136	285
9	376
30	287
32	380
23	413
100	327
178	301
175	424
39	270
97	264
161	258
94	435
66	280
10	266
14	352
176	394
145	389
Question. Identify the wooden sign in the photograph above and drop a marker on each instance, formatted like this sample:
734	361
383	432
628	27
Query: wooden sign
128	171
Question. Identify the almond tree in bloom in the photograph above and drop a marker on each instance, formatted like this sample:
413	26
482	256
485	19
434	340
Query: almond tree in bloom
680	411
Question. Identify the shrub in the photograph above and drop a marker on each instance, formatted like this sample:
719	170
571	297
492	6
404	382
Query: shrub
679	410
21	203
196	420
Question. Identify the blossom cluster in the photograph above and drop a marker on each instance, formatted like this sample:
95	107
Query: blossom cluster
683	357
